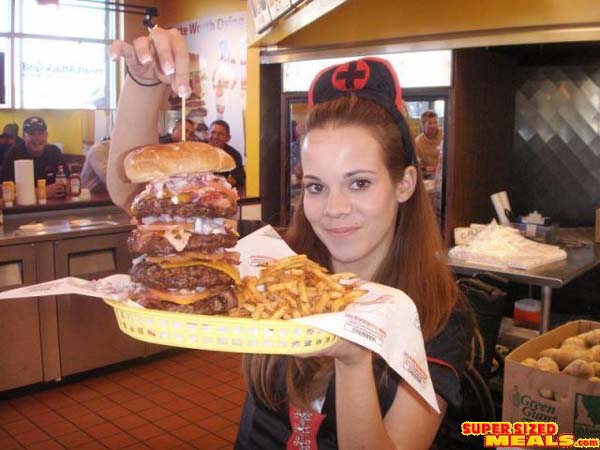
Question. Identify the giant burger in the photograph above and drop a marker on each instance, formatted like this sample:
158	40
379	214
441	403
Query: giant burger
182	235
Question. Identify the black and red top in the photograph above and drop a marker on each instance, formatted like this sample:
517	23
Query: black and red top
293	429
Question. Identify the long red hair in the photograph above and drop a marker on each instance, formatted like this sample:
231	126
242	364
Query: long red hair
415	262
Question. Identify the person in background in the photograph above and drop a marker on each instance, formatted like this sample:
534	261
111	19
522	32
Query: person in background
202	132
364	209
176	134
8	138
297	129
93	174
429	143
219	135
46	157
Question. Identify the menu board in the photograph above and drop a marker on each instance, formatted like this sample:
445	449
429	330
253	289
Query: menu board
266	12
260	14
277	8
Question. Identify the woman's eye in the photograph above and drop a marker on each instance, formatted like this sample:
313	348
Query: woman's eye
360	184
313	188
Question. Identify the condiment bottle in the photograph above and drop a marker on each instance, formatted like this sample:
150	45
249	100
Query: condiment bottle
41	191
61	176
8	193
75	182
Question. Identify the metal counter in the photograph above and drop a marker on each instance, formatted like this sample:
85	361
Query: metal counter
56	225
554	275
47	338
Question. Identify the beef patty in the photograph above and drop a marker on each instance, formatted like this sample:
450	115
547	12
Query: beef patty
191	277
153	242
215	205
217	304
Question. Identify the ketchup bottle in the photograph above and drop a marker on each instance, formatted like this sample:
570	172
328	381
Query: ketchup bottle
75	182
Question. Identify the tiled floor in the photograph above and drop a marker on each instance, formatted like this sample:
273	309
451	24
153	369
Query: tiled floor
181	400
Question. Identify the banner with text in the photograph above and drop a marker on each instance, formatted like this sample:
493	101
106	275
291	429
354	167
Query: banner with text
217	47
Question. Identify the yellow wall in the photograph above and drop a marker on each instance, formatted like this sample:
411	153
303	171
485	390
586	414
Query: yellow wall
360	21
171	12
64	126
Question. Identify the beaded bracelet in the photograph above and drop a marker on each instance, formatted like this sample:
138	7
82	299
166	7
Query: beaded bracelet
139	83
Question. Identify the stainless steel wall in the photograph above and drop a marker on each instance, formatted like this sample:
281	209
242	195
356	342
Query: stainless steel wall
556	156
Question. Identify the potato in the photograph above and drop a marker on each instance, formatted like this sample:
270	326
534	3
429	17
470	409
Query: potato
565	356
530	362
575	341
594	353
593	338
579	368
548	394
584	335
547	364
550	352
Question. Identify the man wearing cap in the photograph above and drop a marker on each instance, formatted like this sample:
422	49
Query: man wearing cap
8	138
46	157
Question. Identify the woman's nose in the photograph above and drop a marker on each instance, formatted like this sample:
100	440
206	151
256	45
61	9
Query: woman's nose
337	204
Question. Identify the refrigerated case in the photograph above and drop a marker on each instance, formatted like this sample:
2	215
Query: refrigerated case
87	323
47	338
20	342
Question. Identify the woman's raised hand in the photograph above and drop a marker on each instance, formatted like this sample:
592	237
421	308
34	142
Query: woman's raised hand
161	56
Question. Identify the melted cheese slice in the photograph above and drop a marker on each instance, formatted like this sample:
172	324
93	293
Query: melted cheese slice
177	238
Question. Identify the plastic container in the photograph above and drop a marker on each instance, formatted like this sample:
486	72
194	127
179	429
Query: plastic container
75	184
8	193
219	333
61	176
41	191
528	313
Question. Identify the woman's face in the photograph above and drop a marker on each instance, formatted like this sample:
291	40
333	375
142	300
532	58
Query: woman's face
350	199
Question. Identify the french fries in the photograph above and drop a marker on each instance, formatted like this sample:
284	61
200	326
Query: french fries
294	287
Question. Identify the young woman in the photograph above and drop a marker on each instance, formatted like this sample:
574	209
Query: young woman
364	209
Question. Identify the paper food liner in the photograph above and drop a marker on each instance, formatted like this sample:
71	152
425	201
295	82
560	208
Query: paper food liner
385	320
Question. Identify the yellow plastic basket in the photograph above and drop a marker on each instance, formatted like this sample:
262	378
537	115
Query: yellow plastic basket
220	333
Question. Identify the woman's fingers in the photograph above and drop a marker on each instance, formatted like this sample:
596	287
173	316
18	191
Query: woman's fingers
142	50
116	49
129	53
162	55
162	47
181	83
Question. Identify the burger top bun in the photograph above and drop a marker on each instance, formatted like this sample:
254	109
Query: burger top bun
153	162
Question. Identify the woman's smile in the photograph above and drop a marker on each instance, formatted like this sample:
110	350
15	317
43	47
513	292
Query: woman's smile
342	231
349	196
